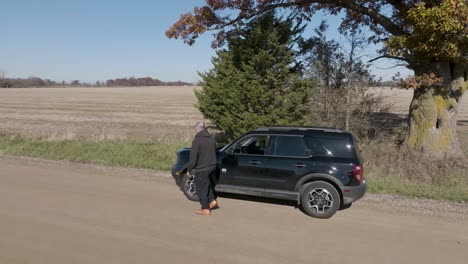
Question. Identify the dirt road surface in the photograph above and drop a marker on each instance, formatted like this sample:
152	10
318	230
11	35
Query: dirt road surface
62	213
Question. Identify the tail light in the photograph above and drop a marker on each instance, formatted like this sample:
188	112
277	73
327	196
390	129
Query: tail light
358	172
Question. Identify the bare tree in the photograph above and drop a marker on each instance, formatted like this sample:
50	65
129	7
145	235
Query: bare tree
342	99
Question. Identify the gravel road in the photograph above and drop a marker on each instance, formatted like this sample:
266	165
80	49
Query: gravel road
60	212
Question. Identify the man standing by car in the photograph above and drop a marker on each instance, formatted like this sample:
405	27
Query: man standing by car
203	163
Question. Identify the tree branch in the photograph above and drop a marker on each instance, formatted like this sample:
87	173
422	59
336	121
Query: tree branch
257	12
378	18
399	5
388	57
207	18
392	67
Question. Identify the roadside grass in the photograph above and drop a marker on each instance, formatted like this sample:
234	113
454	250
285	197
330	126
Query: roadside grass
388	169
147	155
463	138
397	170
450	190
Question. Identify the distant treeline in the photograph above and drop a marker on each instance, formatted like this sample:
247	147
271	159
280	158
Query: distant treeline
28	82
132	82
35	82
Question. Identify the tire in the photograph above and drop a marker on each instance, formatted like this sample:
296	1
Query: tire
320	199
188	187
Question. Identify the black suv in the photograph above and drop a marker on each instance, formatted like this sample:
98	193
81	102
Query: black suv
320	168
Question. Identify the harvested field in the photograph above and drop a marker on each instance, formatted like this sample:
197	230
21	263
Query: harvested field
152	113
401	99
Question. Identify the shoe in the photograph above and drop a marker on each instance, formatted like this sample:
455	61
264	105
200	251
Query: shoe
203	212
214	205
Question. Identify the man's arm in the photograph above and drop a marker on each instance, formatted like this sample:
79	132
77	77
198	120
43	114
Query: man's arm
193	156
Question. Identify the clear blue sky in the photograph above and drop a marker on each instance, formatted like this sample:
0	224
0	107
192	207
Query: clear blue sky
104	39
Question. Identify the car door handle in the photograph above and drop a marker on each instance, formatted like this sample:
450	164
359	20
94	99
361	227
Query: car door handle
300	165
255	162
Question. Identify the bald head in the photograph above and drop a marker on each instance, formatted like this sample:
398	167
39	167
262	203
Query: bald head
200	126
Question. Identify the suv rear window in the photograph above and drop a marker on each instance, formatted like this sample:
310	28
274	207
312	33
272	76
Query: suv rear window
331	145
290	146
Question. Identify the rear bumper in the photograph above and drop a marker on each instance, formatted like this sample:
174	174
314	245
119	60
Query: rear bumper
353	193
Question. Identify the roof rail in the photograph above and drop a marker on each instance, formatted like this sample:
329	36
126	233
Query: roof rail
304	128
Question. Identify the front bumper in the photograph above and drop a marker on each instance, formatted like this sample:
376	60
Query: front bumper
353	193
177	173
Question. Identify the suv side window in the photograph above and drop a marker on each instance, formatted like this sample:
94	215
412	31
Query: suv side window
255	145
339	146
290	146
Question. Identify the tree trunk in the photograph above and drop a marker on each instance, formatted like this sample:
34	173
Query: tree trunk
433	112
326	105
348	106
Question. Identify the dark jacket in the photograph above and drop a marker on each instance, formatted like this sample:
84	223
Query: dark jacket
203	152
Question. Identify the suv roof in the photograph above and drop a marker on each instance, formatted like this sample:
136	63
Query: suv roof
296	128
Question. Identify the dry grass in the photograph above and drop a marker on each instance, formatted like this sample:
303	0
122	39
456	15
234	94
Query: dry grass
164	114
392	169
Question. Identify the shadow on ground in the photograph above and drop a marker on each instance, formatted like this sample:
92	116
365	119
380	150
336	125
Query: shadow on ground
387	125
258	199
267	200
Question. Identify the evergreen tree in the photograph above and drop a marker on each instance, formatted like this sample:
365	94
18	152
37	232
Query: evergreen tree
255	80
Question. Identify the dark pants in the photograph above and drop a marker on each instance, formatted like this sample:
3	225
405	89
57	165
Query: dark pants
205	188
